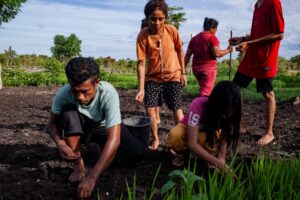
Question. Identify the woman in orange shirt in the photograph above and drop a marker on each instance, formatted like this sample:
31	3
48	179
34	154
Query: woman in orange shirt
164	75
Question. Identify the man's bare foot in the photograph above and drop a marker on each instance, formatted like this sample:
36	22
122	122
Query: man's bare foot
154	145
78	172
265	139
158	121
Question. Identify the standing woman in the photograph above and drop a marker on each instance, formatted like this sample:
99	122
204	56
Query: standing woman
164	75
205	49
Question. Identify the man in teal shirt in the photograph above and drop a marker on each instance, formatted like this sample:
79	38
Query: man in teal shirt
88	109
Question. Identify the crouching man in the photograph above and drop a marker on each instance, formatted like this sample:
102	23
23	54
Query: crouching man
87	109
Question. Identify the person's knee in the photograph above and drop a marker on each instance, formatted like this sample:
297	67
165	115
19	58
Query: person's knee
177	138
178	115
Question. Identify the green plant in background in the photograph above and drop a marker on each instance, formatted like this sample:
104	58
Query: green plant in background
66	47
9	9
131	193
273	179
181	184
185	184
52	75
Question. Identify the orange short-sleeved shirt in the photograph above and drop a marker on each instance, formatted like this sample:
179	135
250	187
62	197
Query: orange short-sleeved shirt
162	54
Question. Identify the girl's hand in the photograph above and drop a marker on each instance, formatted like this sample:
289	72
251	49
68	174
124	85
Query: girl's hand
140	96
183	80
227	170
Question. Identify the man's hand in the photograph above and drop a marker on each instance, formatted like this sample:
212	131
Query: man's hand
67	153
86	187
242	47
140	96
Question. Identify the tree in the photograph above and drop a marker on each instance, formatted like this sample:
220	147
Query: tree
176	16
66	47
296	59
10	55
9	9
0	77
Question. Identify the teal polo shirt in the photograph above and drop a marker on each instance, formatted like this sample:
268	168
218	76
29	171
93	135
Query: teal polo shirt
104	109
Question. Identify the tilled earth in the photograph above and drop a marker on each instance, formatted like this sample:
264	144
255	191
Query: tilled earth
30	167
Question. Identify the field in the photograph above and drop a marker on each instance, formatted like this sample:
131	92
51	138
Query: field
30	167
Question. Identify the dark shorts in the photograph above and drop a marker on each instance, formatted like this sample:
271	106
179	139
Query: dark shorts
262	85
74	123
170	92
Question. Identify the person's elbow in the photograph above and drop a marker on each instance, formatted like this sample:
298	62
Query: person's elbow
192	146
218	54
116	142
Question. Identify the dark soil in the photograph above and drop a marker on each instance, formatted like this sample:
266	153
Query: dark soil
30	167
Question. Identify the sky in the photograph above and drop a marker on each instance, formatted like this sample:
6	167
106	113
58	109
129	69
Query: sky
110	27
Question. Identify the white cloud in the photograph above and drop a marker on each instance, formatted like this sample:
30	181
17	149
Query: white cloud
109	28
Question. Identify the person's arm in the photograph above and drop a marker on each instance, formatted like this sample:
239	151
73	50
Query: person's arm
222	150
87	185
237	40
53	129
141	81
217	52
183	79
187	56
267	38
180	55
200	151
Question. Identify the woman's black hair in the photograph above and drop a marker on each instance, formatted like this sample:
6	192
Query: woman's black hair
209	23
153	5
144	23
223	111
80	69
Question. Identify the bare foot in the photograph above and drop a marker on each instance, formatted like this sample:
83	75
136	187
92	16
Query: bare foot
158	121
154	145
78	172
265	139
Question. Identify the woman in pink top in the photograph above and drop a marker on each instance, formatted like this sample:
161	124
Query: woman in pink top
205	49
210	127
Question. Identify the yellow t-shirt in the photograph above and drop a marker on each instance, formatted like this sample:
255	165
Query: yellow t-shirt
177	139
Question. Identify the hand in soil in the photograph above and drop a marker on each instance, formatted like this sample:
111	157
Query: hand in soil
67	153
227	170
86	187
265	139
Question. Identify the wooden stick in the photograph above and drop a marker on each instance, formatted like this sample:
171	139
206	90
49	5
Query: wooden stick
230	55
